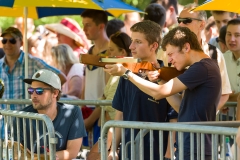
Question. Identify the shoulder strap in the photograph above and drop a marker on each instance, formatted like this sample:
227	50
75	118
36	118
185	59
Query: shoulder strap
212	51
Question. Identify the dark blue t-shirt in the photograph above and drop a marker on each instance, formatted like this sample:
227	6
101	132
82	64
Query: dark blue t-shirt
138	106
201	97
68	125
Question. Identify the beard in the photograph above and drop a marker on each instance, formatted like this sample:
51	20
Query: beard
42	105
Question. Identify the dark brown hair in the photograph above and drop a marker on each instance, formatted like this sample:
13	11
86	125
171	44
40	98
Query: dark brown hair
179	36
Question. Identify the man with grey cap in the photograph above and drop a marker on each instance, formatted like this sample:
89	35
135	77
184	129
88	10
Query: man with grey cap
45	90
12	69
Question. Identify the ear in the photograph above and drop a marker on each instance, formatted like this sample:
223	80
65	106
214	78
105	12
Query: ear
186	48
154	46
55	93
123	53
202	25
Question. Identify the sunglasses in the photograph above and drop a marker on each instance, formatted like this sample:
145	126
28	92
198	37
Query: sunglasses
11	40
38	91
186	20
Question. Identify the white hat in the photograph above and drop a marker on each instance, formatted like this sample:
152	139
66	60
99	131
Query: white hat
71	29
46	76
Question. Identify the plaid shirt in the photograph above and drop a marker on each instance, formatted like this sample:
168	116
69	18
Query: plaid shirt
14	86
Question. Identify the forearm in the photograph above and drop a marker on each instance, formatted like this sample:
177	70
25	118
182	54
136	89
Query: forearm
71	152
147	87
119	117
175	101
89	122
222	101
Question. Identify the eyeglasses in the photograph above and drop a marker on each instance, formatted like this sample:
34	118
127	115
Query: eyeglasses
187	20
11	40
39	91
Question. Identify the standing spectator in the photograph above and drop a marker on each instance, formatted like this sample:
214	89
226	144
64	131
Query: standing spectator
115	25
12	69
232	57
118	46
45	91
130	19
156	13
195	21
69	32
68	63
171	7
221	19
130	102
94	26
30	25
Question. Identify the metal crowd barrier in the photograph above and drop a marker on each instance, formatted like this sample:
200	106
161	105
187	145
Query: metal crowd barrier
229	116
9	116
199	129
12	148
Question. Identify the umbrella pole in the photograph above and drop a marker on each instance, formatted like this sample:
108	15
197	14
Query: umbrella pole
25	48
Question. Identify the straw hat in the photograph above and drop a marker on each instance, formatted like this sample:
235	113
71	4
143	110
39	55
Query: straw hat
69	28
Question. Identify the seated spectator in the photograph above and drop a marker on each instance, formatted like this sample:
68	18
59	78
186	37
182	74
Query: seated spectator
68	63
115	25
69	32
45	91
118	46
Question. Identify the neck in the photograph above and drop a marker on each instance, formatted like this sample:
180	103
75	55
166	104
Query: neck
11	60
51	112
196	56
101	43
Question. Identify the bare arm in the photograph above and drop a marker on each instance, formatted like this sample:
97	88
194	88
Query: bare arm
89	122
75	86
233	97
73	147
222	101
119	116
157	91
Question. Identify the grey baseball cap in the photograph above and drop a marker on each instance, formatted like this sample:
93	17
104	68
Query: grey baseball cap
46	76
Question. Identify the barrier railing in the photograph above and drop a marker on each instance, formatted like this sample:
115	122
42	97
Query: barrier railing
197	133
15	124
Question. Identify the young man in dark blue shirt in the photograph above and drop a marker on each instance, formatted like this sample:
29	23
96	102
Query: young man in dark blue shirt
130	102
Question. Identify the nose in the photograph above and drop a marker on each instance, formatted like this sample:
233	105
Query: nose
131	47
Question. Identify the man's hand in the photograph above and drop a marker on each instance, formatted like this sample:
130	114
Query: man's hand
115	69
111	154
153	76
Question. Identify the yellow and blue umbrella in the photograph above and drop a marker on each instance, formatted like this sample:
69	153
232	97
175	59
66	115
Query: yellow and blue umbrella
43	8
222	5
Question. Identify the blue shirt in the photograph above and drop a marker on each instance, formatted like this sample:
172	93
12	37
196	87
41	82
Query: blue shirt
68	125
203	82
14	87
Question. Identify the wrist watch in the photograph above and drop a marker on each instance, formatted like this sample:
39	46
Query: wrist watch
125	75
